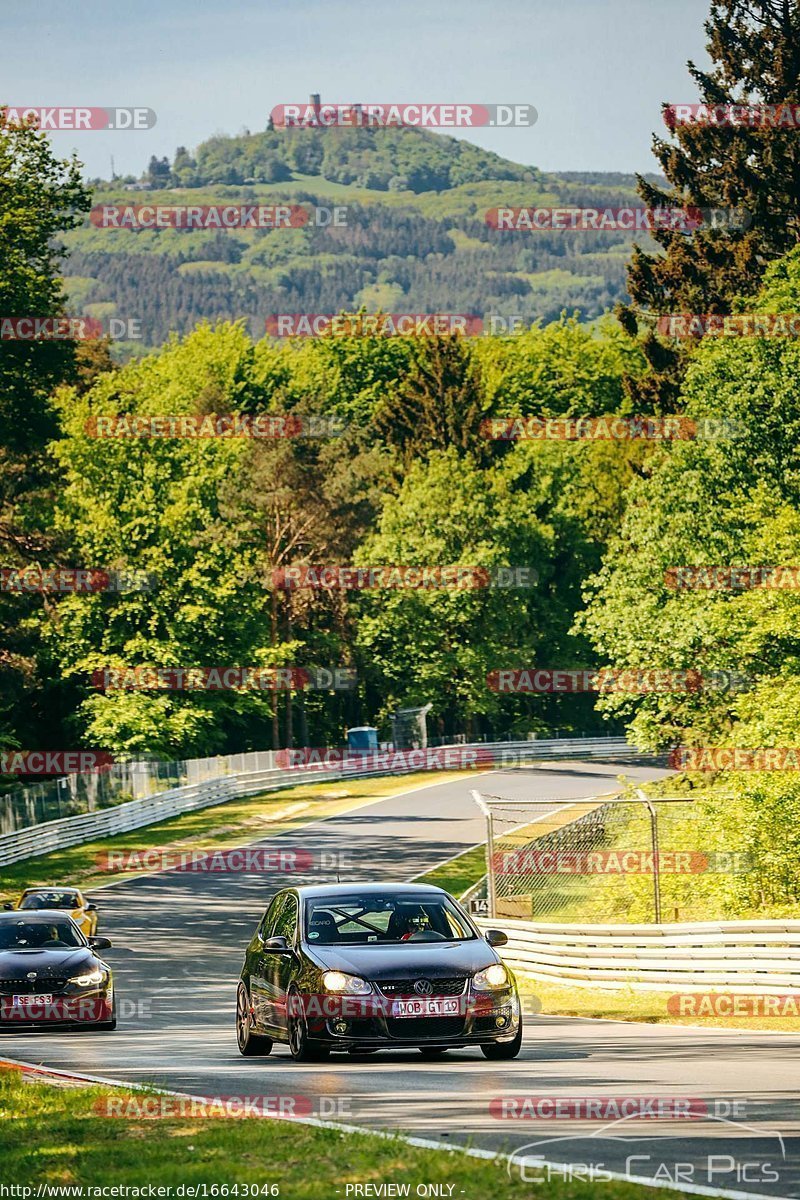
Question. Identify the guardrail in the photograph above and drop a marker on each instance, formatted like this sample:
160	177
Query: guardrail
739	956
64	832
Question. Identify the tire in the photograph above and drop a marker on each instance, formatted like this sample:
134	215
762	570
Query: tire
301	1048
501	1051
109	1026
433	1051
249	1043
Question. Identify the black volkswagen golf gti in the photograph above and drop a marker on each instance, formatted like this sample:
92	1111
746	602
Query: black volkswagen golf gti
365	967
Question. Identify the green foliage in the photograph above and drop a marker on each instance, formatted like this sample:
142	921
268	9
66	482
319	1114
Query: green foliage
40	196
162	506
754	46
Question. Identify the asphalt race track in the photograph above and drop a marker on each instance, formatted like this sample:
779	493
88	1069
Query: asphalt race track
178	946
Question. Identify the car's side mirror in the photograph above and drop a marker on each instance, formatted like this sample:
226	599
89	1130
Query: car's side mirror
278	944
91	908
8	907
100	943
496	937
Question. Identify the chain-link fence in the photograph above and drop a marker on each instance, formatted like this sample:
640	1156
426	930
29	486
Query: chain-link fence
32	804
609	859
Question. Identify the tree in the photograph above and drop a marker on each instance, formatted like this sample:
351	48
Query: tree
40	197
167	507
439	404
755	48
439	644
722	501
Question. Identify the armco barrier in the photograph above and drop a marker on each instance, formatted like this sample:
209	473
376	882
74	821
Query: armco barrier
87	827
737	956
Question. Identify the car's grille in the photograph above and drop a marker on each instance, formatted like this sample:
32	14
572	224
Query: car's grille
44	985
425	1027
405	987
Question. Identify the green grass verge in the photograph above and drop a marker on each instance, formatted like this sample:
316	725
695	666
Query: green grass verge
459	874
54	1135
649	1007
235	823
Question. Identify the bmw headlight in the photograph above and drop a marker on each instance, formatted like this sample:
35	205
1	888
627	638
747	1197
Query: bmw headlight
491	978
348	985
91	980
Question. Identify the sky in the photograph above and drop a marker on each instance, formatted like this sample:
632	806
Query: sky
597	71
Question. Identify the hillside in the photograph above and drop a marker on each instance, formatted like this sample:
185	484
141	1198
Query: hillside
415	238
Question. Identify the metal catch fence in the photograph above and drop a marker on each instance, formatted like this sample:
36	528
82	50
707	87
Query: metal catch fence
614	858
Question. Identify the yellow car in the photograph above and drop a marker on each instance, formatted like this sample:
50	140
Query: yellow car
70	900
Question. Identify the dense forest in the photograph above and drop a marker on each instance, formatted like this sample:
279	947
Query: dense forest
597	525
414	236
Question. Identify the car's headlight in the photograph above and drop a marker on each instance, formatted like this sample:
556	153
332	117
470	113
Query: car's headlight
351	985
492	977
89	980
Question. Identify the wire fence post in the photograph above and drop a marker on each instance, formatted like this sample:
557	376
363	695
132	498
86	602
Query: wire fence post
491	891
651	808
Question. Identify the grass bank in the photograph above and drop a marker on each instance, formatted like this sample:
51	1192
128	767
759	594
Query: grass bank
57	1135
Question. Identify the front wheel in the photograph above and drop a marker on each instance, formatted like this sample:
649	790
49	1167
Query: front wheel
111	1024
500	1051
249	1043
301	1047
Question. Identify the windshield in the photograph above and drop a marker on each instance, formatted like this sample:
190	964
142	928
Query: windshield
39	900
39	935
395	918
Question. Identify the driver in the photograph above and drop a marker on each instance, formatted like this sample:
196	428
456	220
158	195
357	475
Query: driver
409	923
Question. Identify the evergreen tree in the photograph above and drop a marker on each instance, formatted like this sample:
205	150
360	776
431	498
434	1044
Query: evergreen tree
439	404
755	49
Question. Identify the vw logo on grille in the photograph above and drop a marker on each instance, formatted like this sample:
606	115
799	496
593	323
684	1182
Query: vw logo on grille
31	975
423	987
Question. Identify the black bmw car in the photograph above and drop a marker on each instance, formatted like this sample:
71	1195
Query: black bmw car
51	975
365	967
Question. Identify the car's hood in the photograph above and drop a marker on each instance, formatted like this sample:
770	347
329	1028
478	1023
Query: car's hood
53	964
409	960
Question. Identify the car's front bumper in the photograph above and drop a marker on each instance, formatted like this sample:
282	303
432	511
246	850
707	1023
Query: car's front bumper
90	1008
484	1018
